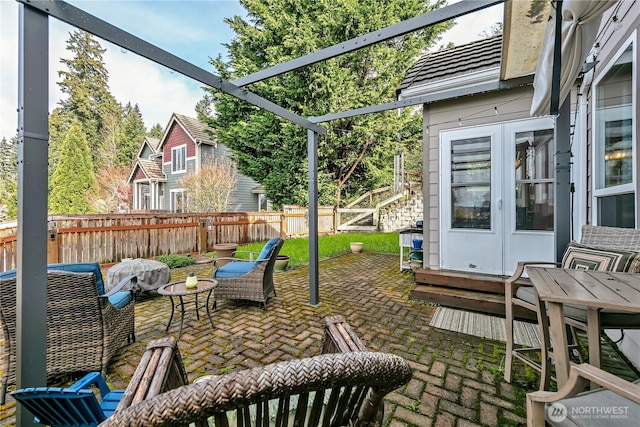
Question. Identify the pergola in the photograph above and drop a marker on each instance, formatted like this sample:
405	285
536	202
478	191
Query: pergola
33	141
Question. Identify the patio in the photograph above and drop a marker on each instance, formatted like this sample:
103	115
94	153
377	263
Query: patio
457	379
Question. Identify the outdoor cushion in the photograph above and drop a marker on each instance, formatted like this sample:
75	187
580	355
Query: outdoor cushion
234	269
267	248
608	317
578	256
118	300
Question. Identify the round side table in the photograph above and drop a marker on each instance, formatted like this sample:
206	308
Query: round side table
180	290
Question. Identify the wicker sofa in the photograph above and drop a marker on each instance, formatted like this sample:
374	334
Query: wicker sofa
85	326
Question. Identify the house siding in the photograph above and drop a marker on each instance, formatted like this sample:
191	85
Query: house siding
176	138
146	152
243	200
139	175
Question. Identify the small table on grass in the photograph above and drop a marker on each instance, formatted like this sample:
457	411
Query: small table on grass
180	290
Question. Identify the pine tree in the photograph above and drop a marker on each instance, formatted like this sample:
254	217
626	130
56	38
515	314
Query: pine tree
86	82
73	176
356	154
134	132
156	131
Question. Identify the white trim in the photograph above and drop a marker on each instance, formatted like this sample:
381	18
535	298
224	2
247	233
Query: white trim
465	80
172	207
596	132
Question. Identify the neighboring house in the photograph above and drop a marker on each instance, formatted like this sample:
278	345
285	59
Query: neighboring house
489	166
184	148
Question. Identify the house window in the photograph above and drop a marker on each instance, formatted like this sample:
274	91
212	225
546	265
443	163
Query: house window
613	130
179	159
178	201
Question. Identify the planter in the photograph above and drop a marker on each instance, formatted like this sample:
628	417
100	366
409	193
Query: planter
356	247
224	250
281	263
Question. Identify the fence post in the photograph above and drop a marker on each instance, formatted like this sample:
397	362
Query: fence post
202	236
53	246
283	224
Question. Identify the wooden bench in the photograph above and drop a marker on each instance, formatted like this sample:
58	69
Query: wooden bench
160	369
339	337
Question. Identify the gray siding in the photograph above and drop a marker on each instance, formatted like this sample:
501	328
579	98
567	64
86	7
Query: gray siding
146	152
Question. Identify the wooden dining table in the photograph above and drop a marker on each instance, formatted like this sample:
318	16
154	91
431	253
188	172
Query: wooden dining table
594	290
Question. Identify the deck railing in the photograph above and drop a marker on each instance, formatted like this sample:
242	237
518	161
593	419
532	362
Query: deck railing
110	238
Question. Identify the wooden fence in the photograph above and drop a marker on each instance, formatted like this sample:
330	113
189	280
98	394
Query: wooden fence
110	238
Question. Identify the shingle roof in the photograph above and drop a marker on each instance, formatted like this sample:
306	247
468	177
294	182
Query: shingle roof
151	169
458	60
195	128
154	143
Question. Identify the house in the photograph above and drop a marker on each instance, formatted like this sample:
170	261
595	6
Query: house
489	165
184	147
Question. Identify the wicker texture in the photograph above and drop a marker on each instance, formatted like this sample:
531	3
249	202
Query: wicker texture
627	239
353	384
83	329
256	285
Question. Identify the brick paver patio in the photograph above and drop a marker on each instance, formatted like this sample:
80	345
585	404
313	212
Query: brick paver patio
457	379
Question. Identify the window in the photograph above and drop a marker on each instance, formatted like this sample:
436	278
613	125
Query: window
614	171
534	180
471	183
179	159
178	201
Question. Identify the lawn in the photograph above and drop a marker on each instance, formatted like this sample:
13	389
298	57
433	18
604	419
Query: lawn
329	246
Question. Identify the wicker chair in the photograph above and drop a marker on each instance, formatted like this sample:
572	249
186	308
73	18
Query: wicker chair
84	329
518	293
332	389
247	279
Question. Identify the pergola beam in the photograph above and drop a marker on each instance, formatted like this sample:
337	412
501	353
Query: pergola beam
433	17
427	99
96	26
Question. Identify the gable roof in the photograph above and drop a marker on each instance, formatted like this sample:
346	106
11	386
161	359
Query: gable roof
474	57
153	143
194	128
150	168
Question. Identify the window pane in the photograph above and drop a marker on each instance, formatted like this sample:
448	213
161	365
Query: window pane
471	183
614	124
534	172
617	211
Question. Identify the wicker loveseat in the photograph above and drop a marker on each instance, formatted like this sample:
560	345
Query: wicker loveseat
85	326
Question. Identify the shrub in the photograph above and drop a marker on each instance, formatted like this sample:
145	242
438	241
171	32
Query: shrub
176	261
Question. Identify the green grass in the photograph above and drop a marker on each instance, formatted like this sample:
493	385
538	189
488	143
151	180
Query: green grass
330	246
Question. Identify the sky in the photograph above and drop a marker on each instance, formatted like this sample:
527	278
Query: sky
157	91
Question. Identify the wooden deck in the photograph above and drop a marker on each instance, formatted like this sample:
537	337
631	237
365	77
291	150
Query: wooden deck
483	293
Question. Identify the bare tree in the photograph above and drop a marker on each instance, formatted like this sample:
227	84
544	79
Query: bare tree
209	189
111	193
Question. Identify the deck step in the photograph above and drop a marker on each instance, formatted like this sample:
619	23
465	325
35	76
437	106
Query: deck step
462	280
483	302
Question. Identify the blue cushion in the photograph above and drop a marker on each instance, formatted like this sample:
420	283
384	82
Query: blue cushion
82	267
234	269
120	299
268	247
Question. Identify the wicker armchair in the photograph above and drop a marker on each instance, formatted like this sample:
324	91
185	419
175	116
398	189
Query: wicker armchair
84	329
332	389
247	279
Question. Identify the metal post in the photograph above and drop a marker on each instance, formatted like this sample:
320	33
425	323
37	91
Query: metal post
557	61
312	153
33	91
562	199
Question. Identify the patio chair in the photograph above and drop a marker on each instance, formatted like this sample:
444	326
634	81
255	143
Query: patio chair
616	403
76	405
331	389
243	279
601	248
85	325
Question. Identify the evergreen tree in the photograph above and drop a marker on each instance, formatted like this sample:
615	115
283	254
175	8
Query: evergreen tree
134	132
86	82
156	131
356	154
8	179
73	177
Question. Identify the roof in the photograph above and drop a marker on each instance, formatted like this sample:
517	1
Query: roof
154	143
456	61
195	128
151	169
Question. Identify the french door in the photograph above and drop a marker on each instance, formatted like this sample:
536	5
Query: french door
497	196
